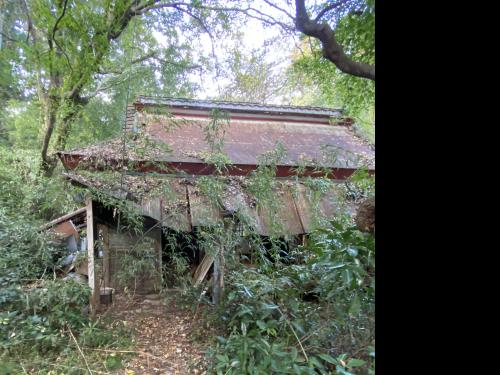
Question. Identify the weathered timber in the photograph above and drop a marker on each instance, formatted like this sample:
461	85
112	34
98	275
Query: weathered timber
63	218
202	269
93	281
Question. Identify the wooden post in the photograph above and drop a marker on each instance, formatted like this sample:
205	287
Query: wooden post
216	280
158	248
93	280
105	242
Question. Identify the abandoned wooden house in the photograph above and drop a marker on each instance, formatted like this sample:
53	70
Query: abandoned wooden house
162	165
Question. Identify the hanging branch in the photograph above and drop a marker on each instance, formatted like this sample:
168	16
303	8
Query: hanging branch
332	50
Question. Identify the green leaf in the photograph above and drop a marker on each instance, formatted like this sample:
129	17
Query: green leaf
262	325
314	361
298	327
355	306
328	358
355	362
222	358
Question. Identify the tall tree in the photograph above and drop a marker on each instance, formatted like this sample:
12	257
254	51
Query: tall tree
67	44
323	26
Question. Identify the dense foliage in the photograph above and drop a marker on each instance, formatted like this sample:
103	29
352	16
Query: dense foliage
39	313
67	71
312	312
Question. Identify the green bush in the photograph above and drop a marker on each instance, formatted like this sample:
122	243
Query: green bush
315	316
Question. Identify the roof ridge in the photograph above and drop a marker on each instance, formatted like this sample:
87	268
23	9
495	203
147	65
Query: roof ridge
140	99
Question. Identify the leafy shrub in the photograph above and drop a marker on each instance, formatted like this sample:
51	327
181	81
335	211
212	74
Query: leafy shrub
38	317
314	316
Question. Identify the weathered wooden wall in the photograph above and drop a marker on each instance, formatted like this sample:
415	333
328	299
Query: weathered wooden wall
122	242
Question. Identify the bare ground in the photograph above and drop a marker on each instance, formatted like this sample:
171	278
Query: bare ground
165	335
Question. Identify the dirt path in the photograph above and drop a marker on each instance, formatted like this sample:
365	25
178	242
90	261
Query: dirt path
163	337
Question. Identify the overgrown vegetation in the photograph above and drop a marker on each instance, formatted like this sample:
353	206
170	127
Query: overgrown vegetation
67	71
42	317
312	313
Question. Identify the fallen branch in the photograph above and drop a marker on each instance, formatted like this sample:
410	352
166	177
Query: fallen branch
129	351
80	350
295	334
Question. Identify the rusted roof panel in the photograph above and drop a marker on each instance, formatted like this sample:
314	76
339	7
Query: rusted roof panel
314	206
305	144
184	147
280	216
237	201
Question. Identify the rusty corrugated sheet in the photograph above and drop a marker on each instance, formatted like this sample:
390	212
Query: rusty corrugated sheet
180	204
204	212
314	206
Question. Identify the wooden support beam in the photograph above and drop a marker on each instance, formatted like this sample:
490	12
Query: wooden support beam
219	265
216	289
156	233
105	242
93	280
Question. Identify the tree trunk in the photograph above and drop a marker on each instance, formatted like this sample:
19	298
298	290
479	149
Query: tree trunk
365	217
50	124
63	130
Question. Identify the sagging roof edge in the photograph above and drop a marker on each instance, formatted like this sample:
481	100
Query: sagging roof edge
292	222
71	162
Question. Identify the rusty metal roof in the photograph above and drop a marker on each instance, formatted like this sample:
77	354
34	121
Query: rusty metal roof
181	204
184	147
172	139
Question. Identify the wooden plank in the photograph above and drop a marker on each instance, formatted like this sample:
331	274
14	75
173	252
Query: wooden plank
281	217
203	211
151	207
93	280
63	218
218	278
219	265
156	234
174	207
202	269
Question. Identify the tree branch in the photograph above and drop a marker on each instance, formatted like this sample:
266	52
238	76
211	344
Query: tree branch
328	8
278	8
331	49
59	19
